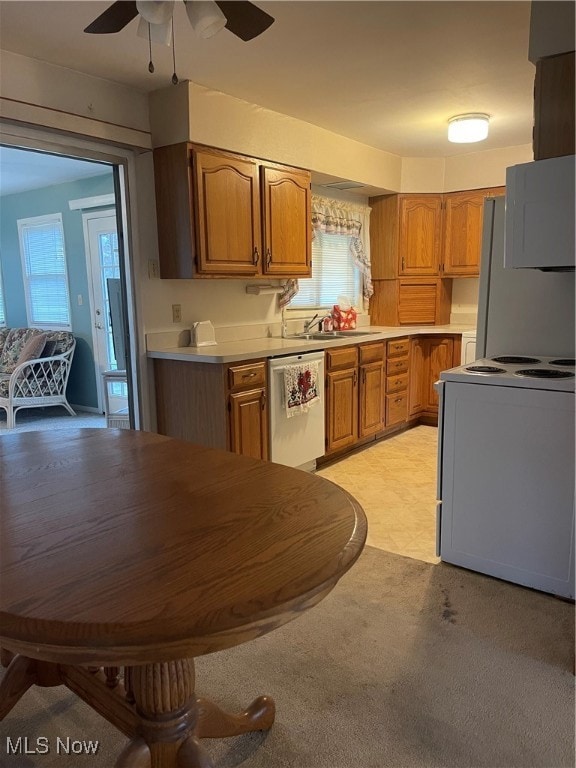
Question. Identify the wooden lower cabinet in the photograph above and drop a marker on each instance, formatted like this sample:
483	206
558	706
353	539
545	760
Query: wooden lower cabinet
219	406
416	383
354	394
429	356
249	423
396	401
341	409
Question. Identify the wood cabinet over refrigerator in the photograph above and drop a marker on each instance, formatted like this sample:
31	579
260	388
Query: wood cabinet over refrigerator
221	214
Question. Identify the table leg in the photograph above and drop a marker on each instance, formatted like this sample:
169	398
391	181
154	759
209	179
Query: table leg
214	723
165	701
20	675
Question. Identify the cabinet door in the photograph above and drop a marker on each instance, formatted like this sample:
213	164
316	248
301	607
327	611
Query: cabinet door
249	423
439	353
371	398
463	233
341	408
228	214
420	234
287	222
417	378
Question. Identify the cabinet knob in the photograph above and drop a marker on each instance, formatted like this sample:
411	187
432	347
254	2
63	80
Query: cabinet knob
249	375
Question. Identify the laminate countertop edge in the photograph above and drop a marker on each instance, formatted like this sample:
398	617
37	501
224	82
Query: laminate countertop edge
250	349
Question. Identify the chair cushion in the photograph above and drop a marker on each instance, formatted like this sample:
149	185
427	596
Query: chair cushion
33	348
13	346
3	337
57	343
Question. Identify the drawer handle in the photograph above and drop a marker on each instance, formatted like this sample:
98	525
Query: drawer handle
398	381
398	400
256	256
269	257
398	346
249	375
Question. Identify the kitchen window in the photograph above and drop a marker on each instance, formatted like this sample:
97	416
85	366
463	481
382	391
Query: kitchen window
340	257
333	274
44	272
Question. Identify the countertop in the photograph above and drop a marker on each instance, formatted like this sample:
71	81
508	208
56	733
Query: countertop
249	349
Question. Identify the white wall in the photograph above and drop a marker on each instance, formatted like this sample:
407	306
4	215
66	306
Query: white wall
62	100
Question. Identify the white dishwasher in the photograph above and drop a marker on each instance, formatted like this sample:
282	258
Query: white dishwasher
296	441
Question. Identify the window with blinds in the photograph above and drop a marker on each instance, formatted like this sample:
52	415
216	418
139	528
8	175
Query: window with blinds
2	309
333	274
44	271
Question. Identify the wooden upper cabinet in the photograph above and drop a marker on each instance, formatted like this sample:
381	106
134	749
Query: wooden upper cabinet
405	235
463	219
228	214
221	214
287	221
420	235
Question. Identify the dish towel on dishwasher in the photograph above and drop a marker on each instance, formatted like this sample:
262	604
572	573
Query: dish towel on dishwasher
300	387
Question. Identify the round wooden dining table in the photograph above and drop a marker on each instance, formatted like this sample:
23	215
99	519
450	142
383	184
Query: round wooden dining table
125	554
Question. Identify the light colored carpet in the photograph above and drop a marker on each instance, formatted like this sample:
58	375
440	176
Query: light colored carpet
34	419
406	664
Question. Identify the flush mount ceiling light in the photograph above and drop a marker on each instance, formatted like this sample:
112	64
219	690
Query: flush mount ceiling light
465	129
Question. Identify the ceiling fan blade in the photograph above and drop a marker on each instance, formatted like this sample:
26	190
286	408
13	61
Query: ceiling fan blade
244	19
114	18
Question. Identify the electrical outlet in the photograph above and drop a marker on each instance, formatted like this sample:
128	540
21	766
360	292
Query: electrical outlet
176	313
153	268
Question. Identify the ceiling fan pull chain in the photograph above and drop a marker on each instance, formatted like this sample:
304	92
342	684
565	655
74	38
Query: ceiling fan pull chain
174	75
150	63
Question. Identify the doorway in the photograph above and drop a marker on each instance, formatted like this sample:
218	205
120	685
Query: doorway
103	267
86	194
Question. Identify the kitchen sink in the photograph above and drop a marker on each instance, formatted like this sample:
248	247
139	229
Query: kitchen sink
325	336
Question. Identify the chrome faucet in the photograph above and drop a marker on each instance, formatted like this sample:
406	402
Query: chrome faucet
317	318
308	323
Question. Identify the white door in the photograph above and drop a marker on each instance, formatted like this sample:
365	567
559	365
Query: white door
101	240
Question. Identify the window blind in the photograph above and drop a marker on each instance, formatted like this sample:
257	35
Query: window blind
333	274
44	271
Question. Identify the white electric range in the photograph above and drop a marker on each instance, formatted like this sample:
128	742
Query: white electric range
506	470
531	372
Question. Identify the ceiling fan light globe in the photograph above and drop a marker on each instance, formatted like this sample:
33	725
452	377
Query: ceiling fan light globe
158	33
205	17
155	11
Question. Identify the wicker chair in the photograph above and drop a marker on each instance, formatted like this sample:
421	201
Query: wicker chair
37	382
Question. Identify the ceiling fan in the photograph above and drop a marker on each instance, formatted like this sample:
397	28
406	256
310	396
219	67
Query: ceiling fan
243	19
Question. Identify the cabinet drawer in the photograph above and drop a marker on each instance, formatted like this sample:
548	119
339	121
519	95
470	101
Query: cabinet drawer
371	353
396	408
396	383
345	357
397	347
396	365
252	375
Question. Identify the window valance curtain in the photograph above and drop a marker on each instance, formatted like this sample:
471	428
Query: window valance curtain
341	217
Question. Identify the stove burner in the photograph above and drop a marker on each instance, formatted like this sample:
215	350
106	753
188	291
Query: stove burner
545	373
516	359
564	361
485	369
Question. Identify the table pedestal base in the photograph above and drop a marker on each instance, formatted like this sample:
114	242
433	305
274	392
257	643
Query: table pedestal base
155	706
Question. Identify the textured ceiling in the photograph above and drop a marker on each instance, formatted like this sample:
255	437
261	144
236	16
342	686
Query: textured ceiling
388	74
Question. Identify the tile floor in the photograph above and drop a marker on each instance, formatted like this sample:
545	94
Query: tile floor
395	482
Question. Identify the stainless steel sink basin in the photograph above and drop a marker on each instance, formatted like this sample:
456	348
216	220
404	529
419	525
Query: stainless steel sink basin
326	336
